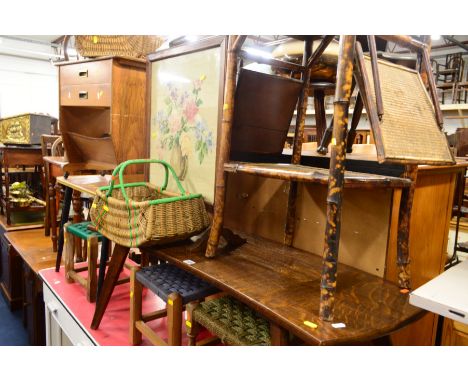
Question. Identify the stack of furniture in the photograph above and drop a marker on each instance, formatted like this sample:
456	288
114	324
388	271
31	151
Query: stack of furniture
449	76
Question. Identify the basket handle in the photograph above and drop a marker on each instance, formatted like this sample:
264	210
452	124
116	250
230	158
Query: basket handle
121	168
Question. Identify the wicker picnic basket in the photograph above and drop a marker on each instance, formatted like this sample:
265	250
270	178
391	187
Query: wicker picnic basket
141	214
116	45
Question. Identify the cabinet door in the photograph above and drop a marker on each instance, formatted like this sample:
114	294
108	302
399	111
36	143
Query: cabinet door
61	328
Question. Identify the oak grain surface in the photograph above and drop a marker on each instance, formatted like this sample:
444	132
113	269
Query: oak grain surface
283	284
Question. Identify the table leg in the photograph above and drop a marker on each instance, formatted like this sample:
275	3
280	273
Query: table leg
1	187
52	211
65	215
115	267
102	263
279	336
78	218
7	194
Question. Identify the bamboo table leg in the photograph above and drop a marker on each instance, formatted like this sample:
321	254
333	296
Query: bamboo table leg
65	214
115	267
344	81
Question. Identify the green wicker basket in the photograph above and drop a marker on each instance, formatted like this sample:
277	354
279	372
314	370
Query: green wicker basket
142	214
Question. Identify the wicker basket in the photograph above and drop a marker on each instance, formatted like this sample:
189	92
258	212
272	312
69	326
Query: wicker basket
139	214
116	45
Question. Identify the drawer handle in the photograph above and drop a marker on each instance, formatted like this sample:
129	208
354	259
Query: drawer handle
83	95
83	73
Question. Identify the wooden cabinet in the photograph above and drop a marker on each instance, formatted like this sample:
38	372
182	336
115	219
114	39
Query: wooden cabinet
102	111
429	227
454	333
10	273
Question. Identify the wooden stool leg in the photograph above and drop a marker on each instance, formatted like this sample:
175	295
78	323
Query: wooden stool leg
136	291
174	319
193	327
77	218
115	267
63	221
105	244
91	288
320	116
69	253
279	336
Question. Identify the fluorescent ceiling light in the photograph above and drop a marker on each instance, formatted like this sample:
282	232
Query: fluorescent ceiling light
258	52
435	37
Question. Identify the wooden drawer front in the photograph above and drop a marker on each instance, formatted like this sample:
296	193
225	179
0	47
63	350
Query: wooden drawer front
60	324
98	72
85	95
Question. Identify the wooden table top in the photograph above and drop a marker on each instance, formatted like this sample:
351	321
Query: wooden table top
283	284
33	247
90	183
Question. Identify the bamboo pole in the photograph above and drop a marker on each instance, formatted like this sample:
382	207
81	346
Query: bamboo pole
297	146
375	74
234	44
365	90
406	205
406	41
426	65
344	80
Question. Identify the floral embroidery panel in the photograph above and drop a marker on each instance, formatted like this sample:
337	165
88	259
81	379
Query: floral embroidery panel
184	119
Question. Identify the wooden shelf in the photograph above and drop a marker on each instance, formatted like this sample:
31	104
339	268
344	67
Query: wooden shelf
283	284
314	175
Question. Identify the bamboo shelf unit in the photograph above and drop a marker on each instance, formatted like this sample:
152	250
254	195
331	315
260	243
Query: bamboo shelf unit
379	96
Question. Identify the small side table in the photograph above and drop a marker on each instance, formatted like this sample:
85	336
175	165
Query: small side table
13	156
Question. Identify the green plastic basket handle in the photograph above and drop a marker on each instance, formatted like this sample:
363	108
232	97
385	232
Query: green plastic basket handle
121	168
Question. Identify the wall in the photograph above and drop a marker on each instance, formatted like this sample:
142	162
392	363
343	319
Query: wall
27	86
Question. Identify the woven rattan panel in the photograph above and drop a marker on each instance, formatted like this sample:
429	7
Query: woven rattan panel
409	130
233	322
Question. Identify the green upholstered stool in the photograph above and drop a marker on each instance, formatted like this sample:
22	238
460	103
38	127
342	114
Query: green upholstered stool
72	274
231	321
82	231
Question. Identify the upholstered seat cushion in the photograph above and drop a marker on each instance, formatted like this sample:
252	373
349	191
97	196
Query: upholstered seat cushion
82	230
164	279
233	322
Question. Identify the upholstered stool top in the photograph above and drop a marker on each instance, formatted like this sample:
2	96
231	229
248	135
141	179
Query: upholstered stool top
82	231
164	279
233	322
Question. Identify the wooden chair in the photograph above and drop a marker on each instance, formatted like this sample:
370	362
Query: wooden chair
173	285
231	321
449	74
